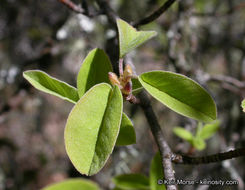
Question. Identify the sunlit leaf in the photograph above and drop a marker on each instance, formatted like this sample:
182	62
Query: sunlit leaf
73	184
209	130
243	105
94	70
92	128
183	133
130	38
126	134
42	81
156	173
180	93
132	181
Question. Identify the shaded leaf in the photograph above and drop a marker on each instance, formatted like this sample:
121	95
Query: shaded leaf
156	173
209	130
94	70
92	128
132	181
179	93
73	184
183	133
137	87
130	38
126	134
42	81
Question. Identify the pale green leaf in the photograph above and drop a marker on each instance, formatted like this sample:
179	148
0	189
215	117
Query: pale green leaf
183	133
132	181
181	94
126	134
92	128
209	130
137	87
243	105
130	38
156	173
73	184
94	70
42	81
199	143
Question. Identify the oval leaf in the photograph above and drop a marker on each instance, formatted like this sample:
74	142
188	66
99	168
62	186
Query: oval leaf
130	38
126	134
92	128
183	133
73	184
42	81
209	130
180	93
94	70
132	181
156	173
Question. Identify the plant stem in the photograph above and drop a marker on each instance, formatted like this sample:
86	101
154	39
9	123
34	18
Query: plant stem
163	146
181	159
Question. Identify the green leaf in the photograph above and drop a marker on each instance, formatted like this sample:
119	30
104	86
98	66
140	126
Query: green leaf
181	94
92	128
209	130
73	184
132	181
183	133
126	134
156	173
137	87
94	70
42	81
243	105
199	143
130	38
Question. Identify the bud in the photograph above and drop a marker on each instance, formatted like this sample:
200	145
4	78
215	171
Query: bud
113	79
128	71
127	89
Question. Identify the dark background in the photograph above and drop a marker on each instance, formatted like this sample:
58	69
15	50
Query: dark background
204	40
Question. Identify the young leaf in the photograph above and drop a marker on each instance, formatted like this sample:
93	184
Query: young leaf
209	129
73	184
132	181
126	134
156	173
94	70
92	128
199	143
129	38
183	133
42	81
243	105
181	94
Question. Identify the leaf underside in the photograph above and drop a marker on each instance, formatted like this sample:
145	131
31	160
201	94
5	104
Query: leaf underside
92	128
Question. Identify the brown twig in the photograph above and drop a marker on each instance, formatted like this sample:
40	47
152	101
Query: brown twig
163	146
181	159
73	6
155	14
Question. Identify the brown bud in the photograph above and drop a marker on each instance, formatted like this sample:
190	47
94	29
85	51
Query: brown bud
127	89
113	79
128	71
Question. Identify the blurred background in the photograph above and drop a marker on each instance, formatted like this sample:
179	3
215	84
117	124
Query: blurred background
204	40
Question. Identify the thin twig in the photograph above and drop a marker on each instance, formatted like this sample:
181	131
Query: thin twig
72	6
155	14
181	159
163	146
